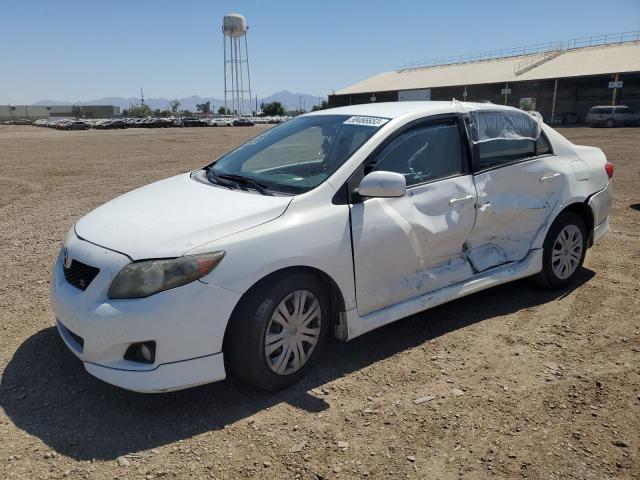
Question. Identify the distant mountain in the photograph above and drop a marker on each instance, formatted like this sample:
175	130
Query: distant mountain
290	101
51	102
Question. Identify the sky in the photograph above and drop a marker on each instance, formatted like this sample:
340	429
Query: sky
78	50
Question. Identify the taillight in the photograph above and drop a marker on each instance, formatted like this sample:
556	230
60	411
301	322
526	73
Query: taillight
608	167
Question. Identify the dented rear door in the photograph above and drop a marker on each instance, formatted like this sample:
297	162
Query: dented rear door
515	202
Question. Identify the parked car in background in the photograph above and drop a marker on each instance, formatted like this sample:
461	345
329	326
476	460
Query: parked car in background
219	122
193	122
341	220
53	122
19	121
612	116
74	125
243	122
101	124
567	118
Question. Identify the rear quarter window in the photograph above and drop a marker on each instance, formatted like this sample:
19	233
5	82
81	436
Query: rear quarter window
543	147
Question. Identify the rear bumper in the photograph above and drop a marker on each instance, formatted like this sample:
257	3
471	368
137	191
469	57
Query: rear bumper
600	204
600	231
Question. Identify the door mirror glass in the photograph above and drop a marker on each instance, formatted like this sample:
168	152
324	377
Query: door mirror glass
383	184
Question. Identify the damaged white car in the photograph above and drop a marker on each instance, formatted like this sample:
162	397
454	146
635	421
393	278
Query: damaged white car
338	221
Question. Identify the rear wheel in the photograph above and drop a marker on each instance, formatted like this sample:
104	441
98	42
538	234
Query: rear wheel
278	331
564	250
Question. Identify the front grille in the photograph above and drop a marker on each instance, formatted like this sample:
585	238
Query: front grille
80	275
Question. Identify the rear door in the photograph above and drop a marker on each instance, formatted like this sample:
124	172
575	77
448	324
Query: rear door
408	246
519	182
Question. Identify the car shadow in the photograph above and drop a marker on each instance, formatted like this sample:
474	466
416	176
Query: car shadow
635	206
46	392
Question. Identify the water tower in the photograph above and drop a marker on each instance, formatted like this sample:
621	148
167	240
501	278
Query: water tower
237	81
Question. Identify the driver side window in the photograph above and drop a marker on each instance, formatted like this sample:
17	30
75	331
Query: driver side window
423	154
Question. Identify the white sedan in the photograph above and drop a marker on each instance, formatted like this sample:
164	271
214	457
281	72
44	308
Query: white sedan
219	122
338	221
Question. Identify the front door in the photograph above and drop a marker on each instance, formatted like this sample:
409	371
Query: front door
408	246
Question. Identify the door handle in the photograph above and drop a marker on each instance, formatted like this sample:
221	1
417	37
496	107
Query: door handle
465	199
549	177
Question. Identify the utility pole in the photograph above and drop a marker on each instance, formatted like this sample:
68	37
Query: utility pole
553	103
615	91
141	97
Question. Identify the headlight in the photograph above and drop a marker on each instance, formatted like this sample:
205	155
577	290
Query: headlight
141	279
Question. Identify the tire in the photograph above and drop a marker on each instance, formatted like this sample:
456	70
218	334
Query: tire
567	234
610	123
245	348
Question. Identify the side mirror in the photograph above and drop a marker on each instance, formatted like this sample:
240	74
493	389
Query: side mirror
383	185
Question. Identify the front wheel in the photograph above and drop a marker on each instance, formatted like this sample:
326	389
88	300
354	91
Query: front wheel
278	331
563	253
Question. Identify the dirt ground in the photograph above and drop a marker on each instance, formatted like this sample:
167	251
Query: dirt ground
527	383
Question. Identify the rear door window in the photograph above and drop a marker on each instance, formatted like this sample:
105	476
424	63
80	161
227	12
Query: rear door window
505	136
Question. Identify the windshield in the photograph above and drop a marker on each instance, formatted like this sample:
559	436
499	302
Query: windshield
300	154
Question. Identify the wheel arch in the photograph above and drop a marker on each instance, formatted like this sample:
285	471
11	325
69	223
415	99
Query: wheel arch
335	295
583	210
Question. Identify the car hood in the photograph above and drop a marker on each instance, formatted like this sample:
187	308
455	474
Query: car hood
172	216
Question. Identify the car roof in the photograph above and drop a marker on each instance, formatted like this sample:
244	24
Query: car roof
399	109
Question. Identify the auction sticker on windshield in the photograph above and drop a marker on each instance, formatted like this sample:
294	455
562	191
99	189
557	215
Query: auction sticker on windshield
366	121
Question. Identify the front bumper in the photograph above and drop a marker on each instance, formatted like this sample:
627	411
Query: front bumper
187	323
164	378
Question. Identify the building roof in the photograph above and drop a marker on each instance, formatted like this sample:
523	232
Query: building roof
616	58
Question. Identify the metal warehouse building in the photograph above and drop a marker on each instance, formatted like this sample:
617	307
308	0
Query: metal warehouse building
32	112
553	78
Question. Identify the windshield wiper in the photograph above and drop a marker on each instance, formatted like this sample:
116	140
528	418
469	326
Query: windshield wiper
213	178
255	184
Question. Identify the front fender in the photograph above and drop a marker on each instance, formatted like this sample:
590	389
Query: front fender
320	238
